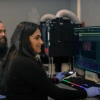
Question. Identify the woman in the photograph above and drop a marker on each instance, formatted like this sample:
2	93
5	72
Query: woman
23	76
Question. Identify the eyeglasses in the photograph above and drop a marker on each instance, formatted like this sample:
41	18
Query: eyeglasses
2	31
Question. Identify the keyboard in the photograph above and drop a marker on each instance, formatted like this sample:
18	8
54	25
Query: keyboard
79	83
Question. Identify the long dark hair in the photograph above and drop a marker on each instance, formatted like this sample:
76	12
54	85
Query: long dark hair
20	43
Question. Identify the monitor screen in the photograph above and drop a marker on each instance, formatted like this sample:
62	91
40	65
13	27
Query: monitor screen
87	49
87	56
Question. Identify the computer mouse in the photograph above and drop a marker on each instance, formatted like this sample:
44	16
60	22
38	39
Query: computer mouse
68	73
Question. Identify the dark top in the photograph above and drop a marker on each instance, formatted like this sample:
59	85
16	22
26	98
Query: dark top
28	81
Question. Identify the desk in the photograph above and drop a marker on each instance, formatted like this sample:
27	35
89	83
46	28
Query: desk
61	85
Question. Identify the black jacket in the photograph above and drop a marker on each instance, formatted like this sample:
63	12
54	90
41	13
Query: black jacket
28	81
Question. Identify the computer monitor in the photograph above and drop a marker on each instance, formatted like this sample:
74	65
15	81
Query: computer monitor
87	55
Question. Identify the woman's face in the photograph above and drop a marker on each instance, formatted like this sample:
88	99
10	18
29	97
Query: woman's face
36	41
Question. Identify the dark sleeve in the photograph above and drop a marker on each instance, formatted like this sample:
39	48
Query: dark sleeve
33	74
54	80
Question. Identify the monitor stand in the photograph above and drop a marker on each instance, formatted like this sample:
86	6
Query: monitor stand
92	76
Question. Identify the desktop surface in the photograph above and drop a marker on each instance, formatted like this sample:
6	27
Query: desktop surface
75	83
65	86
79	83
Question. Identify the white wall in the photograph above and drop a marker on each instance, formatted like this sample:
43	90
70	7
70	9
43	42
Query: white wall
14	11
90	12
73	6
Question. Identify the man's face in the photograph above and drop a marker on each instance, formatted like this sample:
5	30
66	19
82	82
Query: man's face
3	39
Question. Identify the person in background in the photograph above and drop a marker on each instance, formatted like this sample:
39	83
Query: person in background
3	42
3	50
23	75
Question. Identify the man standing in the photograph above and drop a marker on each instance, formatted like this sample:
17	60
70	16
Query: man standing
3	42
3	49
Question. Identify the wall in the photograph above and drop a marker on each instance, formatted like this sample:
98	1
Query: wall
73	6
90	12
14	11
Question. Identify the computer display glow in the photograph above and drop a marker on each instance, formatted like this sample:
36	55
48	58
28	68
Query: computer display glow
88	51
